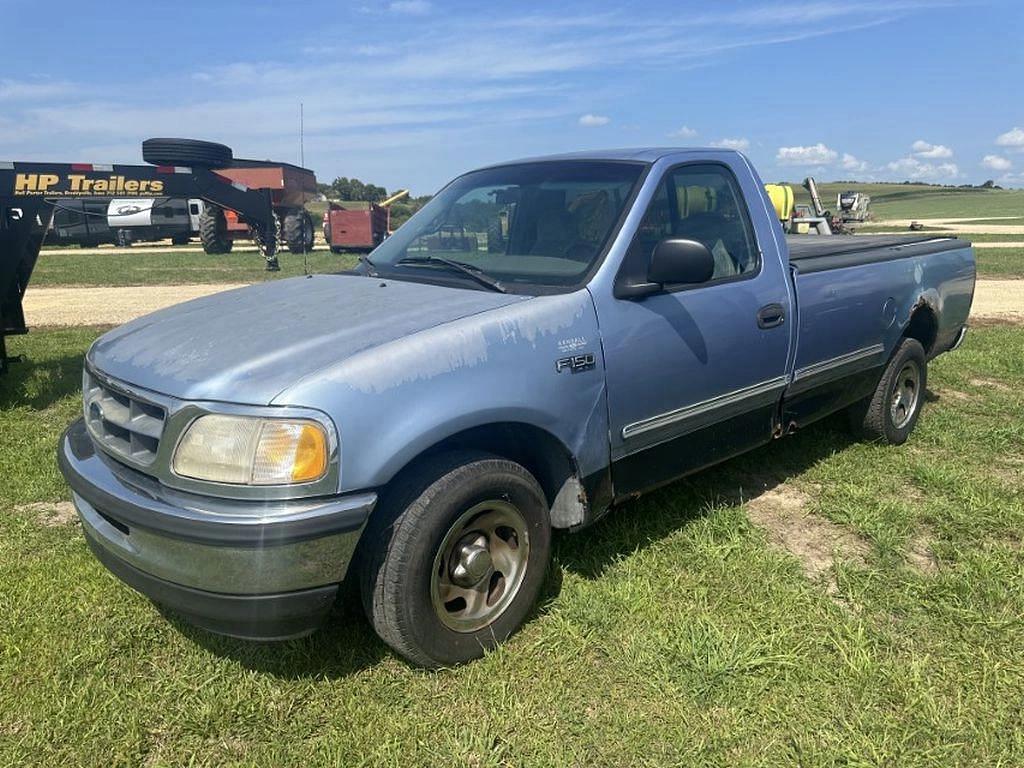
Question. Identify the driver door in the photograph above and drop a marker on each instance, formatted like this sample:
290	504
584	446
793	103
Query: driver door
695	372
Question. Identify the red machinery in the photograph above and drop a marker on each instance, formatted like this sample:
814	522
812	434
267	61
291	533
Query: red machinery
290	186
347	229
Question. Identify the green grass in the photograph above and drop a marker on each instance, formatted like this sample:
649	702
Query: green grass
898	201
139	266
1000	262
671	633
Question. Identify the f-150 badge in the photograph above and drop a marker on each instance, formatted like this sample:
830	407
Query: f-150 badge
575	363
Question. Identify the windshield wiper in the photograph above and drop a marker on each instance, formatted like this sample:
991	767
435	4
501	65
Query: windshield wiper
371	268
467	269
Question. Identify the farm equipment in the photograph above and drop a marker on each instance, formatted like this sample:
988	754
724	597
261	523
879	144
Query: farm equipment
853	206
350	229
180	168
800	219
290	187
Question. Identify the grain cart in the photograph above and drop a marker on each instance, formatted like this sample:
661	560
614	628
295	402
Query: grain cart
347	229
181	168
290	186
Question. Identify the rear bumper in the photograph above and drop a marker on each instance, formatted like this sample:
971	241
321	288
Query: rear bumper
961	334
258	570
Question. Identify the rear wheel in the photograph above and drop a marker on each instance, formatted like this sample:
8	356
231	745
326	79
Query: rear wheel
213	230
298	231
453	560
890	414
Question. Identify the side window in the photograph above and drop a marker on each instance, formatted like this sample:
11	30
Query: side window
703	203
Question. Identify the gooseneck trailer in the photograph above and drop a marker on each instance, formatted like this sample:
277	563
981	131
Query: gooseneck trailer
178	168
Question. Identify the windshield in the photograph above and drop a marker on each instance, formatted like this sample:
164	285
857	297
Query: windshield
534	224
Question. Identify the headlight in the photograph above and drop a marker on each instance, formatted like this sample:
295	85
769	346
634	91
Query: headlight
244	450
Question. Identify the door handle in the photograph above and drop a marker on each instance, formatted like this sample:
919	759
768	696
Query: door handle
771	316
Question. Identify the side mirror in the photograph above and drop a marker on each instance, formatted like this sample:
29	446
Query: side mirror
676	260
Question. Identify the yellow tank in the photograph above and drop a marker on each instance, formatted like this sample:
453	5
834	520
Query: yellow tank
781	196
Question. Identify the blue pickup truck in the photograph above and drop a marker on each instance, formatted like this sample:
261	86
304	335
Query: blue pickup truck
544	340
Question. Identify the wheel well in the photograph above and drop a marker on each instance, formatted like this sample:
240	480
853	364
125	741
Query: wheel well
540	452
923	326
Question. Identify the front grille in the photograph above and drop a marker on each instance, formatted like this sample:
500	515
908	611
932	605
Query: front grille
121	423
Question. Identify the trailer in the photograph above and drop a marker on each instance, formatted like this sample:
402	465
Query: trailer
179	168
358	229
290	187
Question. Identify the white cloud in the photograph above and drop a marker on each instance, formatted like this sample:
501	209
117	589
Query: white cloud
851	163
931	151
816	154
913	169
413	7
996	163
740	145
36	90
1013	138
686	132
592	121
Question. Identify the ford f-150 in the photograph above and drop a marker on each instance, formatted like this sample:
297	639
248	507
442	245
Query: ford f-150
604	323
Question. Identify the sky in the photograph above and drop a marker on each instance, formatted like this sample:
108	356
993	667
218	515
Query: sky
409	93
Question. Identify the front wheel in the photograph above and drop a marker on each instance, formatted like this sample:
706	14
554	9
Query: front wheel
454	559
890	414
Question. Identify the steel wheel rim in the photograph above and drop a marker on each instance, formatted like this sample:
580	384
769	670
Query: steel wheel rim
905	394
480	566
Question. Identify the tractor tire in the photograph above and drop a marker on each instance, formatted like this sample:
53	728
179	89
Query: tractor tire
298	232
186	152
181	240
213	231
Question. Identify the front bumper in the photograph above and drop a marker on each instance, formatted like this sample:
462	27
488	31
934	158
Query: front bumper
265	570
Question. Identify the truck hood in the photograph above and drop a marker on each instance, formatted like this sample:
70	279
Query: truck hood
249	344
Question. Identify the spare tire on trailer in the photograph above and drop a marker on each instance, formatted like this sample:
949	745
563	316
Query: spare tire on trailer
298	231
186	152
213	230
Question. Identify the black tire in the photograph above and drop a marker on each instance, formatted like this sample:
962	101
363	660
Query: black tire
181	240
213	230
186	152
881	418
399	550
298	232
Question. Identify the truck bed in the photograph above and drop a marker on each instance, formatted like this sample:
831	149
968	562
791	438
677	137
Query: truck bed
810	253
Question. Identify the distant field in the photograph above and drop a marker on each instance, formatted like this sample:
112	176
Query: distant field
898	201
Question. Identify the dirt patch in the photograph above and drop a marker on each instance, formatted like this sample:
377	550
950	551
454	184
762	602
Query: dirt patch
1001	300
108	306
954	395
781	512
51	514
920	555
990	384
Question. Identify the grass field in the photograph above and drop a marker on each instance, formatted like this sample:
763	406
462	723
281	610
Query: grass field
674	632
142	266
1000	262
899	201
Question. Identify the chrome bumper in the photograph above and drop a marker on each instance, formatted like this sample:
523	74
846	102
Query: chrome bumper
186	550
